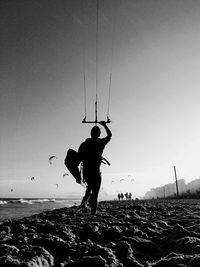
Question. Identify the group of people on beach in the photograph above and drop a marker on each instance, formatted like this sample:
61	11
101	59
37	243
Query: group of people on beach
127	196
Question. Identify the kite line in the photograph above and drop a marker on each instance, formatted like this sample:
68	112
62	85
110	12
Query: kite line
97	70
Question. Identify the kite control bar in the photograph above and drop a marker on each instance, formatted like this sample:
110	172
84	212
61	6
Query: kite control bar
95	121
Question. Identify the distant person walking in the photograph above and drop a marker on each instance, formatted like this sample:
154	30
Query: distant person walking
90	153
119	196
126	195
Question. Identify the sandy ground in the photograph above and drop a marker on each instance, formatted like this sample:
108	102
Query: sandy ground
123	233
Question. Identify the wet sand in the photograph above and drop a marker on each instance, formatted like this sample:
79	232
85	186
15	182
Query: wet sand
123	233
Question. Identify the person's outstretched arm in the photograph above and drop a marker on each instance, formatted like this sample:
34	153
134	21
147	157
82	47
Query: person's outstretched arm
109	134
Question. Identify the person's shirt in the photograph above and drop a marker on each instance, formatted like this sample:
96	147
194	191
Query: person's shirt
91	150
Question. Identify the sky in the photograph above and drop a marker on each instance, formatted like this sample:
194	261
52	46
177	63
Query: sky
151	48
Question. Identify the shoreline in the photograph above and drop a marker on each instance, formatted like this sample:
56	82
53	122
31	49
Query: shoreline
123	233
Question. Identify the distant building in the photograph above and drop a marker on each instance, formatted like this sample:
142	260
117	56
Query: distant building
182	186
193	186
169	190
151	194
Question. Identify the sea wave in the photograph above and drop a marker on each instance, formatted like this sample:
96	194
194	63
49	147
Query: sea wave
23	201
31	201
47	200
3	202
16	208
28	201
42	200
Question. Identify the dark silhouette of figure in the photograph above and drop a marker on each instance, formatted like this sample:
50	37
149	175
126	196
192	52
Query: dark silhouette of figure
90	153
130	196
122	196
126	195
119	196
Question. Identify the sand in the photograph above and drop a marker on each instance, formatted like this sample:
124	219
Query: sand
123	233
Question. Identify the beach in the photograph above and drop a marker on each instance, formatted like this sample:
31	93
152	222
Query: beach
122	233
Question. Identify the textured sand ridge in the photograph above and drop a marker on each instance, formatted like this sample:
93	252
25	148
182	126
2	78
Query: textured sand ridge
123	233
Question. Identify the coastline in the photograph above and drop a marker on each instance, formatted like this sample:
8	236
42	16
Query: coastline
123	233
17	208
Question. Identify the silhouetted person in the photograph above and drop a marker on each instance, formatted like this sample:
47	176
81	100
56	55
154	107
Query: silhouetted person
90	153
122	196
130	196
119	196
126	195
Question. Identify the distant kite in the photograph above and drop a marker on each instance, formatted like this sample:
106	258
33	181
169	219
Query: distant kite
56	185
122	180
65	174
11	190
32	178
112	181
51	158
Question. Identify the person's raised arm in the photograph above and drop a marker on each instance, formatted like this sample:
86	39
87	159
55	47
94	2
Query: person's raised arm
109	134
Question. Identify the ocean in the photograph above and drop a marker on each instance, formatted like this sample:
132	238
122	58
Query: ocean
16	208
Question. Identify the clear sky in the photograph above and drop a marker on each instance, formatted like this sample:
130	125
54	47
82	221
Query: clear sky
45	46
